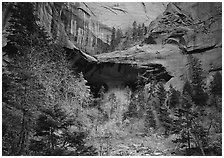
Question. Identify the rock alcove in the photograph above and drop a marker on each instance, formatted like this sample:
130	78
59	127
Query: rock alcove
111	74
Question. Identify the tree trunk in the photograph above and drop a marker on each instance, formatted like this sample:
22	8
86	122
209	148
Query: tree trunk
188	140
22	139
198	142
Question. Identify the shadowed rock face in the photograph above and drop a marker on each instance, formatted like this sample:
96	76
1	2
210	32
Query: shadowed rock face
67	24
113	72
161	61
122	75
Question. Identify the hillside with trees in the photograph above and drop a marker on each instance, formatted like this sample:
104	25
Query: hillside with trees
113	104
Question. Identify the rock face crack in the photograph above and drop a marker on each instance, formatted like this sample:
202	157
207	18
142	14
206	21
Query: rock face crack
201	50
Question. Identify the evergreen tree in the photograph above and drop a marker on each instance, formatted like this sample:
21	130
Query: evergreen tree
216	91
216	84
144	28
140	31
54	135
173	98
134	31
162	109
113	101
190	120
37	77
119	35
161	93
187	89
128	36
150	121
197	82
22	92
113	39
23	29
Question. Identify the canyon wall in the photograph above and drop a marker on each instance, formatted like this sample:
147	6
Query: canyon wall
69	24
183	29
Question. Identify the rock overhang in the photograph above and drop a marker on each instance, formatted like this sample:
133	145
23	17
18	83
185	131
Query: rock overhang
123	68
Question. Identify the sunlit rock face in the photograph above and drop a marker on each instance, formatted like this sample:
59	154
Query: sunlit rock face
196	28
183	29
123	68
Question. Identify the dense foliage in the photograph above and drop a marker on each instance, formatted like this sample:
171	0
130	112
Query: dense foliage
48	109
43	100
193	115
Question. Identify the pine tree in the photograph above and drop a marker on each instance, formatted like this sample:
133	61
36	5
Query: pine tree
132	108
128	39
140	31
54	135
193	112
144	29
119	35
173	98
161	93
23	92
189	122
197	82
162	109
113	101
215	89
134	31
150	121
113	39
37	77
23	29
216	84
187	89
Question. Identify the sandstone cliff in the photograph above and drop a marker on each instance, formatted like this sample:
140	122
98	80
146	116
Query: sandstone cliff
68	24
82	24
183	29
